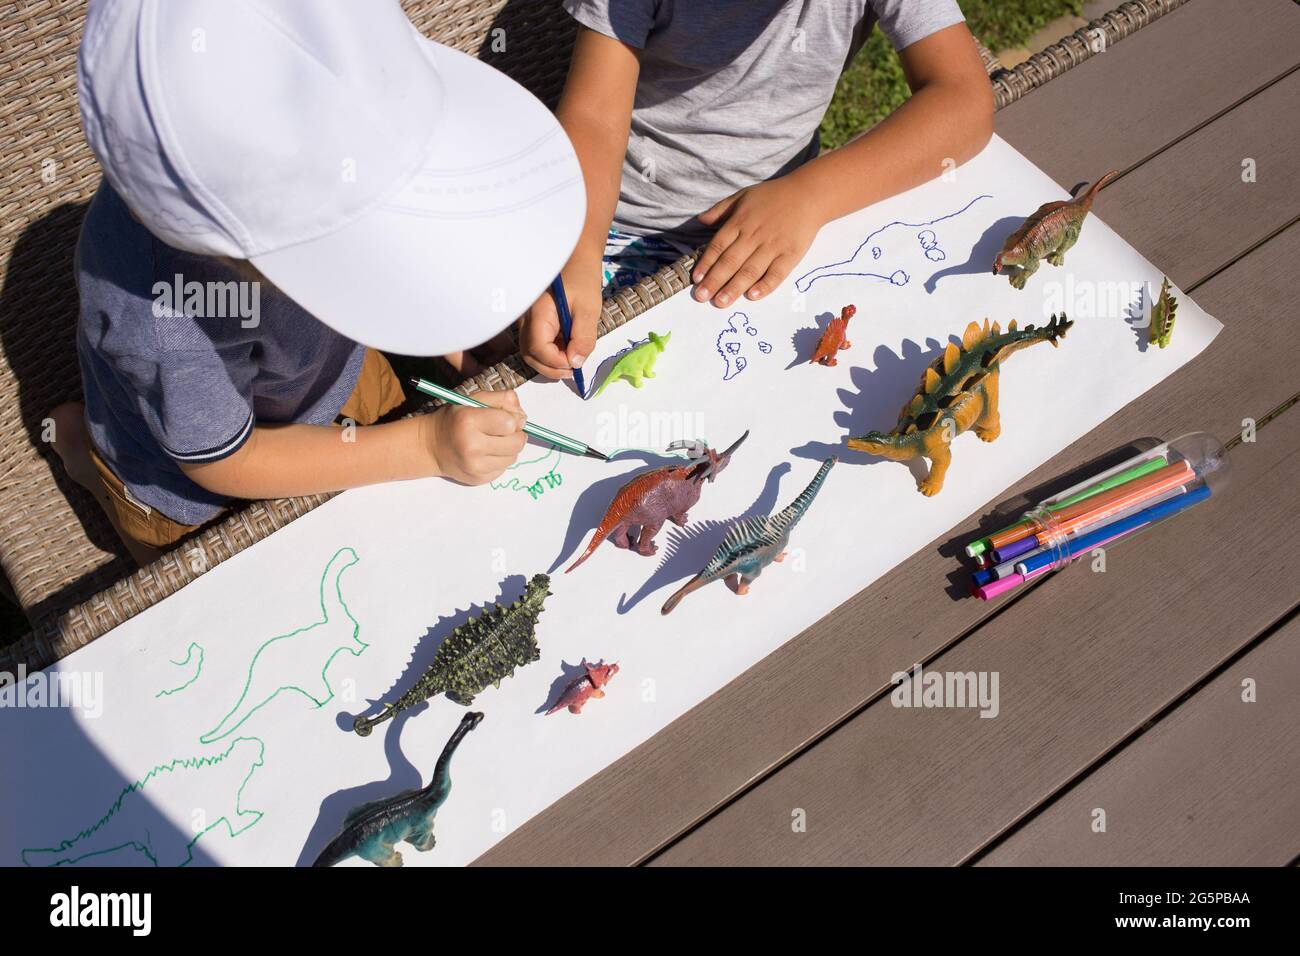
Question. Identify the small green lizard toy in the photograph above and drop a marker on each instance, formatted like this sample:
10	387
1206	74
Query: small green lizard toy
1161	330
637	364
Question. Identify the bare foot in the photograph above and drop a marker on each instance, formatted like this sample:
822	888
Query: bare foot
72	444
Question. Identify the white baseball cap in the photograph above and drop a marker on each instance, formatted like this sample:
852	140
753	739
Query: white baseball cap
406	194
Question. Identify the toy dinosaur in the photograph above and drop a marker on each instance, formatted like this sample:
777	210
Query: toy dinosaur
958	393
1047	234
751	544
653	497
582	689
637	364
482	651
1161	330
371	830
833	339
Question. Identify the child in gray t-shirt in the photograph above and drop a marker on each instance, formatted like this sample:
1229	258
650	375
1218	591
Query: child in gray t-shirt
698	122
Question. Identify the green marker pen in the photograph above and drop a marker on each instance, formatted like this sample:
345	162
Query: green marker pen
536	431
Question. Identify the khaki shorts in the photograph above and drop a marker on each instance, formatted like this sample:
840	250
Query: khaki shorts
377	393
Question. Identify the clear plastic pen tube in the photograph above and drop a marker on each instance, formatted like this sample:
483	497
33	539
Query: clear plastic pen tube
1115	504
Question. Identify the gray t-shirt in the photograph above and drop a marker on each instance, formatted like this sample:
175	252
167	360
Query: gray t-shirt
188	384
732	92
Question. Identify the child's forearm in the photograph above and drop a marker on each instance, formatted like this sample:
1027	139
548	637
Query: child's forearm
600	146
941	124
281	461
596	112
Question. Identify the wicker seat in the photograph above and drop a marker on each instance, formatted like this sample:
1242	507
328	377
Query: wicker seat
57	549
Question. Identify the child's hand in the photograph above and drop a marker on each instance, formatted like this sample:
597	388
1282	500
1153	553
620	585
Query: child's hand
765	231
539	335
475	445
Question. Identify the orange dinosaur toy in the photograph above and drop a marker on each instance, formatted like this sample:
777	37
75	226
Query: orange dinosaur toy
833	339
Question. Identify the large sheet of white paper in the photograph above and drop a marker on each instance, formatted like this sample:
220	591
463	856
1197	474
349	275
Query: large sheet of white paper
220	732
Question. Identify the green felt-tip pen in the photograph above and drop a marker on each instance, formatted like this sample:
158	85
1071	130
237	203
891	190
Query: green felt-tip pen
537	431
976	548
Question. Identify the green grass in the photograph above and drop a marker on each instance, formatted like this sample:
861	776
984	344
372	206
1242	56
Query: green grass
873	85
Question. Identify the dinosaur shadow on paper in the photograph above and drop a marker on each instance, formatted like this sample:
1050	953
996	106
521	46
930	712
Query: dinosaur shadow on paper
688	549
879	395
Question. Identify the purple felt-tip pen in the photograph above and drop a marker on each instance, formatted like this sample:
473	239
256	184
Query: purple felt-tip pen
1016	548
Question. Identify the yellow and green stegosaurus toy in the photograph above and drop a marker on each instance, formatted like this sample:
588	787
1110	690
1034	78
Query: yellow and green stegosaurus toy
1161	330
637	364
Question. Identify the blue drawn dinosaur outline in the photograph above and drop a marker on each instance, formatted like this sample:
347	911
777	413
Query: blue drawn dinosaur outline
929	245
730	353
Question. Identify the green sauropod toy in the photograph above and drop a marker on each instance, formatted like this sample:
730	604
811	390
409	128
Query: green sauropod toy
637	364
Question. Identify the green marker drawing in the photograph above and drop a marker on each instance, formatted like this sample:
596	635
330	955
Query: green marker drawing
189	652
132	819
513	484
306	652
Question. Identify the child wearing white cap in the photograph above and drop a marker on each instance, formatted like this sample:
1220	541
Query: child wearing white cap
697	122
290	187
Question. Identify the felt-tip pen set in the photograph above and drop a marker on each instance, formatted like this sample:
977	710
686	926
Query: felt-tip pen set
1138	493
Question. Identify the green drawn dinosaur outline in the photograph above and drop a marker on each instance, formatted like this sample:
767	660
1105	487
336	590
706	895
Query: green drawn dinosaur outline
146	848
189	652
513	483
193	763
208	737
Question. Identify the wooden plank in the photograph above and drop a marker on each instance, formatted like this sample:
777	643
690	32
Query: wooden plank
1082	661
1199	209
1213	783
1116	109
826	673
813	682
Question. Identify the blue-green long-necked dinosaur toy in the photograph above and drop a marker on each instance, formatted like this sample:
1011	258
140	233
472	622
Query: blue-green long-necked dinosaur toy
752	543
371	830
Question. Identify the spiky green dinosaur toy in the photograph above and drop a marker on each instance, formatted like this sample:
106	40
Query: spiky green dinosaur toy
958	393
1047	234
1161	330
637	364
751	544
482	651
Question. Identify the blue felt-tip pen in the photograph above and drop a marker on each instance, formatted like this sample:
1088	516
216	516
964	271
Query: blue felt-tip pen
566	326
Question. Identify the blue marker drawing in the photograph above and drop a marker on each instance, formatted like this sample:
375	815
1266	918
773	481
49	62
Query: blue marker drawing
928	244
730	345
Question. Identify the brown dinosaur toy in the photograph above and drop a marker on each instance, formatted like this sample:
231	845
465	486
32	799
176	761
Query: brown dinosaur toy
958	393
1047	234
652	498
833	339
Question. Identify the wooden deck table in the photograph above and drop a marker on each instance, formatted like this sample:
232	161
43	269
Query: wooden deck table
1120	691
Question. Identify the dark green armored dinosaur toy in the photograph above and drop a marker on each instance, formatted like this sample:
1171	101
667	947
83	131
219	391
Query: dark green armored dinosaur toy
372	830
958	393
482	651
1047	234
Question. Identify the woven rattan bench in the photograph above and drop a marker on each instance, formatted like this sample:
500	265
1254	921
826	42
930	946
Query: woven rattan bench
57	550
